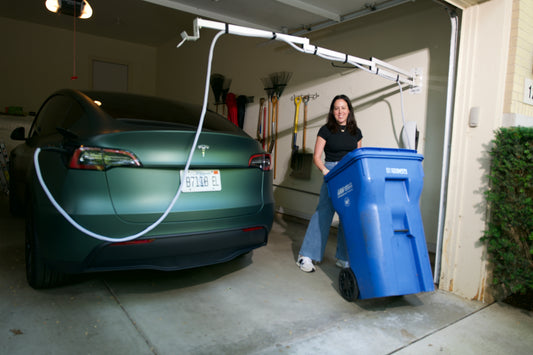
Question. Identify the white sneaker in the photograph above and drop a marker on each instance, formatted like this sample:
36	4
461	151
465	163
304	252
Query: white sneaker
305	264
342	264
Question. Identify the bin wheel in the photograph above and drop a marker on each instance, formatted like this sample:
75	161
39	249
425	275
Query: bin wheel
348	285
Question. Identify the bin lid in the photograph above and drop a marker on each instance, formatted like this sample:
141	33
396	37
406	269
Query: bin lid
372	152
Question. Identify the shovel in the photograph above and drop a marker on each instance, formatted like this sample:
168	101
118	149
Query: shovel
301	163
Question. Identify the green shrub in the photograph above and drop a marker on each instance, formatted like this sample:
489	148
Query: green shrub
509	233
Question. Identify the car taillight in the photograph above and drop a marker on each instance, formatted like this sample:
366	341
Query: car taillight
261	161
251	229
90	158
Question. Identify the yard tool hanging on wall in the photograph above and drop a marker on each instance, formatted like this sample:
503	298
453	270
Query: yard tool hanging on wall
259	133
294	147
265	121
269	89
272	144
220	86
305	100
241	109
225	90
279	82
217	83
301	161
273	124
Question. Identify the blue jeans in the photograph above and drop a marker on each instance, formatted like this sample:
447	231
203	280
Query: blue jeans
317	232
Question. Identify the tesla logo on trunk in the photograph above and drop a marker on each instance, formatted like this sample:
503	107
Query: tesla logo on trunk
203	148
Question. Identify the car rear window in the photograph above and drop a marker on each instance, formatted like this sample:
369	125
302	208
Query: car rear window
137	109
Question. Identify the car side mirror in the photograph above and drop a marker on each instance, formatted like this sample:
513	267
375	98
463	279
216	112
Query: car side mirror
18	134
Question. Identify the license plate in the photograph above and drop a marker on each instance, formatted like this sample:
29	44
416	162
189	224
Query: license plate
200	181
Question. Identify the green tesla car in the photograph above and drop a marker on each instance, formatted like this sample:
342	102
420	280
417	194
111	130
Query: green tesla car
113	163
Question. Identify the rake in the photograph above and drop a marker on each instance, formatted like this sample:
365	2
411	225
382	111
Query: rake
269	89
279	82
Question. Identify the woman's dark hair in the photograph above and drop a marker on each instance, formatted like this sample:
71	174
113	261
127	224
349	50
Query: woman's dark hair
332	124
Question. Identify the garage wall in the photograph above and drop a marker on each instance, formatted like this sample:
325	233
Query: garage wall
44	63
411	36
37	60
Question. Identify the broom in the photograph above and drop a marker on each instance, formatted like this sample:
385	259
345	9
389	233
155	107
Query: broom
217	83
225	90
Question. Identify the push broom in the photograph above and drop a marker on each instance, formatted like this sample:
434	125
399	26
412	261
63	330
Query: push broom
217	82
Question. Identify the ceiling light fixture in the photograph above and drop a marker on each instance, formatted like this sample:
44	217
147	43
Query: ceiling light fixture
78	8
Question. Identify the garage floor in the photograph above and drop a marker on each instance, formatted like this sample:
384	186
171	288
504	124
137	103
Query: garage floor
260	303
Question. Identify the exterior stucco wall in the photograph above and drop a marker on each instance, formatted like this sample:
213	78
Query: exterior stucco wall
517	112
481	83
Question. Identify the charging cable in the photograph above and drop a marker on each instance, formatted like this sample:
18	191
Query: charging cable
410	144
178	193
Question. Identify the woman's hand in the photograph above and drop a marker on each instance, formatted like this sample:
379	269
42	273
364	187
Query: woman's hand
317	155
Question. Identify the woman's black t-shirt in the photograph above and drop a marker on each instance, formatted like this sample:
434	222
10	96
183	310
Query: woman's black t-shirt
338	144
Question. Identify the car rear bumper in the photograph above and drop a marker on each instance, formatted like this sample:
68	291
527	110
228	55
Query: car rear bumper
169	252
177	252
68	250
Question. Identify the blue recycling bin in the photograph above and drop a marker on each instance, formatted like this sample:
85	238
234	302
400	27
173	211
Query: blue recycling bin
376	193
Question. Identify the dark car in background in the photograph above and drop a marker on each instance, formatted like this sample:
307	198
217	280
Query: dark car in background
113	162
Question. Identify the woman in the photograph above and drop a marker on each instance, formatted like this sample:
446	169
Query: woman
339	136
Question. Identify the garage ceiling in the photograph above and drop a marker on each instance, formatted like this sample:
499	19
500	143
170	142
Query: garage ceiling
280	15
154	22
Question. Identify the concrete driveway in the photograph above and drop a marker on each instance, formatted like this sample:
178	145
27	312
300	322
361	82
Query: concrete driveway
259	303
